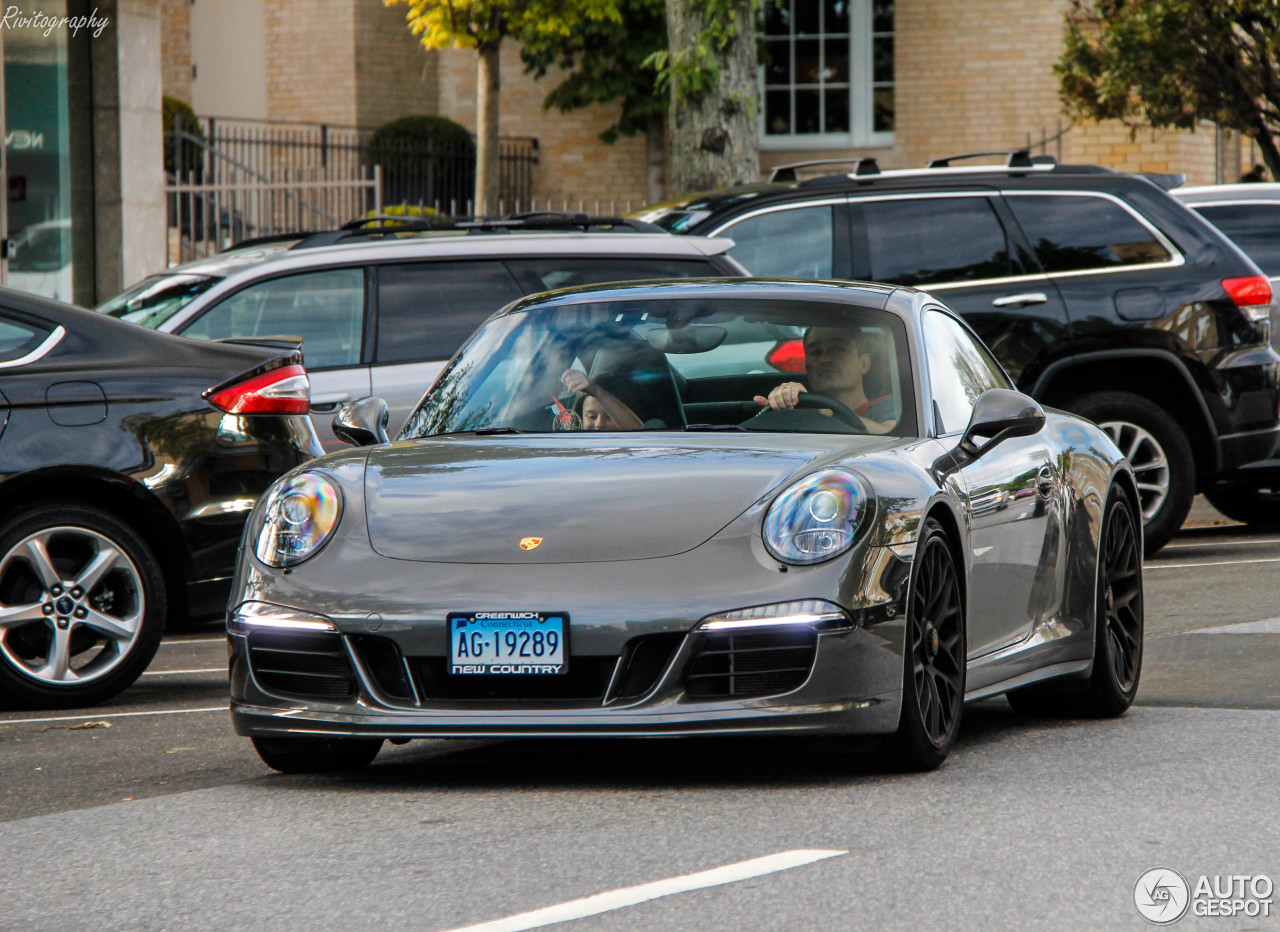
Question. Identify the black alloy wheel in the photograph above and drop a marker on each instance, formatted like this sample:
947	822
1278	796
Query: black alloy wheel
318	754
1118	630
934	669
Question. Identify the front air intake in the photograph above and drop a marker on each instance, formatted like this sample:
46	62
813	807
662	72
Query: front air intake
313	666
734	665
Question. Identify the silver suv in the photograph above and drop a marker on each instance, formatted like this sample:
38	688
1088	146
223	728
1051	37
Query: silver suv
382	316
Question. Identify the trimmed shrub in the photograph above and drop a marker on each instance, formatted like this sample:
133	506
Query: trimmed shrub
425	160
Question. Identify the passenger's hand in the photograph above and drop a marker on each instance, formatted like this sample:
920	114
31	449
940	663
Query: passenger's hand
575	380
786	395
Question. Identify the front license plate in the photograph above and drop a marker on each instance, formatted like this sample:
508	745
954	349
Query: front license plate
508	643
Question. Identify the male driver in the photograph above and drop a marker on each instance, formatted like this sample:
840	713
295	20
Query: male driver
835	366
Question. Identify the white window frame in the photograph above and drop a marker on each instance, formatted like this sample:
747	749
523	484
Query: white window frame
861	91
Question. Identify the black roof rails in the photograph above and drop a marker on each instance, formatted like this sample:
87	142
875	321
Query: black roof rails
377	225
861	166
1016	158
557	220
268	240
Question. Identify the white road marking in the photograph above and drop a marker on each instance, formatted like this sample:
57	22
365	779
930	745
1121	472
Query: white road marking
630	896
1265	626
1181	566
1209	542
98	715
216	639
176	672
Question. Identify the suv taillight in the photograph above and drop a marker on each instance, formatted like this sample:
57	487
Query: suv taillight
787	356
281	391
1252	295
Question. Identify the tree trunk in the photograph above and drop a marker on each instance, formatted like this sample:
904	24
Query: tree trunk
1270	152
655	154
488	85
713	135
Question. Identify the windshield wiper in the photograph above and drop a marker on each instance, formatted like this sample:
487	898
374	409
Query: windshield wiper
490	431
697	427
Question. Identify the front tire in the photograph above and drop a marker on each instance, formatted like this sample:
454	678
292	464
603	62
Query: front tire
1159	452
317	755
934	658
82	606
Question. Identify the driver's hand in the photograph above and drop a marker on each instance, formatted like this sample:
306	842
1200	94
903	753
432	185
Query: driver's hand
786	395
575	380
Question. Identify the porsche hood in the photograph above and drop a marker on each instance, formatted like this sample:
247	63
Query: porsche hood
547	499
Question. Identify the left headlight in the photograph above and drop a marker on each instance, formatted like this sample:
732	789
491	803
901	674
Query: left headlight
817	518
299	516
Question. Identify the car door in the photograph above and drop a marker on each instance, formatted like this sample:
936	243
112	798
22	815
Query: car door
959	246
1014	525
326	308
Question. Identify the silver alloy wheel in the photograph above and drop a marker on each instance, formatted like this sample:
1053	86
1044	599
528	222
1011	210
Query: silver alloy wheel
71	605
1146	456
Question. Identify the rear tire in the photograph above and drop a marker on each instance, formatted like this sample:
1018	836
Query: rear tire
1258	508
82	606
934	662
317	755
1159	452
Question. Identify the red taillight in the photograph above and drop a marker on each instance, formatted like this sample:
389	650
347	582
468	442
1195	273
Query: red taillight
1249	293
787	356
281	391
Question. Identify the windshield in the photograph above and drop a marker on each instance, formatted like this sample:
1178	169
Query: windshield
678	364
154	300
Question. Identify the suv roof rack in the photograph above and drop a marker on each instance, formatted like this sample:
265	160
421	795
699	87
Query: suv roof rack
861	166
1015	158
393	226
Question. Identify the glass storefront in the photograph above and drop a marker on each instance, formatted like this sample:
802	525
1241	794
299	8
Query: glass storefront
46	168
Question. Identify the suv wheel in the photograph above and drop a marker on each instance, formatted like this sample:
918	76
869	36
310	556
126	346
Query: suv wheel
1157	449
1256	507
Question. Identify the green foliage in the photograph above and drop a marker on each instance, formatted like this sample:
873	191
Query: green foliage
172	109
606	63
482	24
1172	63
418	132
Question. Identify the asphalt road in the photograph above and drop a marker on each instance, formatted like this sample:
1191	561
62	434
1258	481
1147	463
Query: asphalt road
149	814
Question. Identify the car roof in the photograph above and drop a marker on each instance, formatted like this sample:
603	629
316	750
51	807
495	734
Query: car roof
1235	193
279	258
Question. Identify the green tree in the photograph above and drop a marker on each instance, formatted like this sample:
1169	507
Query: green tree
1175	62
482	25
606	63
710	68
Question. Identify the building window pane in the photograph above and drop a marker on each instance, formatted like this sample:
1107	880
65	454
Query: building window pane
836	58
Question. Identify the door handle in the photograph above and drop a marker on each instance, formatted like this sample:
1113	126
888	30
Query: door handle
1021	300
325	404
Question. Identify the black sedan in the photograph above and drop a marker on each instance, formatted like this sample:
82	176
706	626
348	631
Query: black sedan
693	508
129	460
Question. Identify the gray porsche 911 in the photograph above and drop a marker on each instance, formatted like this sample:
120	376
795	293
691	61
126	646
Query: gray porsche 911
684	508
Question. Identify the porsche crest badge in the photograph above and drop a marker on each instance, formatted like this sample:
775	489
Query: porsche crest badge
530	543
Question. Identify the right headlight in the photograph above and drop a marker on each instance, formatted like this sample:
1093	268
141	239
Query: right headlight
300	514
817	518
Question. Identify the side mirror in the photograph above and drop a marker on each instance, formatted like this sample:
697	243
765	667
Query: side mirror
998	415
362	422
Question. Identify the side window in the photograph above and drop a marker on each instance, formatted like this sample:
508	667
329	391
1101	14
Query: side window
1075	232
960	369
1255	228
18	338
427	310
325	308
792	243
920	241
535	275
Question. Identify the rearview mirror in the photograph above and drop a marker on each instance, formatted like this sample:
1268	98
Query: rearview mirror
998	415
362	422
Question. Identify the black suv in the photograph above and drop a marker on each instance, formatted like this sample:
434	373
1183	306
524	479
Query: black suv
1098	291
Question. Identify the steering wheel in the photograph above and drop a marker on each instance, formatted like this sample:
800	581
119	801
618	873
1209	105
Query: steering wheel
838	409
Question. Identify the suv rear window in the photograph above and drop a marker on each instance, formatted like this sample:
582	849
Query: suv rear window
1074	232
1255	228
426	310
919	241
